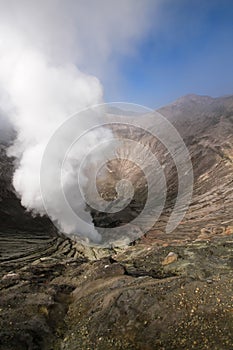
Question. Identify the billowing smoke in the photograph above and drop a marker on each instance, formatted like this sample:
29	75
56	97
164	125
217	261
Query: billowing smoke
46	50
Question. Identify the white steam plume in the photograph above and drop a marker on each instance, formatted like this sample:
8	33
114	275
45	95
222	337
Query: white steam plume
42	44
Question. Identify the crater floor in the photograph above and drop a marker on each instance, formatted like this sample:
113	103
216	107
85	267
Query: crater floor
162	292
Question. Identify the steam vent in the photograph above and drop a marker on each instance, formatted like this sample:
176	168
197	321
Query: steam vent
160	291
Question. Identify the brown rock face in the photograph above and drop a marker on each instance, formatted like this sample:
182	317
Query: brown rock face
206	126
165	291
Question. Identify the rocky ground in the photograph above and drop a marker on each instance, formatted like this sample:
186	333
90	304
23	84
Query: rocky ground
162	292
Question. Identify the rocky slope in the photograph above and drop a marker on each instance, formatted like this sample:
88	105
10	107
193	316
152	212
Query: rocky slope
206	126
166	291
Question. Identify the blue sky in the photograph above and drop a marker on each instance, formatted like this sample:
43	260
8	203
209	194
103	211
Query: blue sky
188	49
